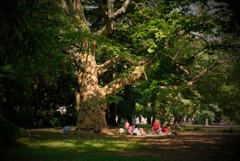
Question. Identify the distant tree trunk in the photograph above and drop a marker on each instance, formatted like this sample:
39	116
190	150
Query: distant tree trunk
206	121
149	120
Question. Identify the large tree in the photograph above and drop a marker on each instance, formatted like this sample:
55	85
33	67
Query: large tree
161	38
89	93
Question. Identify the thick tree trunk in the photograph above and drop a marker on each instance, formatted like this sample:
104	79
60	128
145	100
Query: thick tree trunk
92	119
91	113
90	106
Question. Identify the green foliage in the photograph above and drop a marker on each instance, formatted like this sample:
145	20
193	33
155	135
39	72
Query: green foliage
34	72
54	122
183	128
165	33
201	117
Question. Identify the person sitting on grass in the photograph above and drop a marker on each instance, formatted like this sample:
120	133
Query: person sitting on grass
168	128
136	131
126	126
121	131
142	131
176	125
130	130
164	130
170	132
156	128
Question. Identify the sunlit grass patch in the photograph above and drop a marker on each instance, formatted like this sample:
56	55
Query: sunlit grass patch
76	144
74	147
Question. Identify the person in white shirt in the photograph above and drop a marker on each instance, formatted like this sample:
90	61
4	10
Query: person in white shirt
136	131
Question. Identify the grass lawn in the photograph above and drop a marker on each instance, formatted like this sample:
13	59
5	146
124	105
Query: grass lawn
51	145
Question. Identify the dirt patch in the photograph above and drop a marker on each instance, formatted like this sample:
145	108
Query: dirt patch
208	145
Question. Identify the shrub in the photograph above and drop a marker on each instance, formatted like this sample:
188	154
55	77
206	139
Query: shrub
9	132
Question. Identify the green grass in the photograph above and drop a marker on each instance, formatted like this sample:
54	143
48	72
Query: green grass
51	145
46	154
54	146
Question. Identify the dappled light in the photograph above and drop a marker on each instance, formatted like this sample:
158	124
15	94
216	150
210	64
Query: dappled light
74	142
49	143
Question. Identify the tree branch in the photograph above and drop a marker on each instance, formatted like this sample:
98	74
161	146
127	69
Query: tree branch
195	79
104	12
120	82
110	15
122	9
177	63
198	35
74	8
108	64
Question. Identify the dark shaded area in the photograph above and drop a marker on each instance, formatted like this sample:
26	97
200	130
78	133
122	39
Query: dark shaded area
234	6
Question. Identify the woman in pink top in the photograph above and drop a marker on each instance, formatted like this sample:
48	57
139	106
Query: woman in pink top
130	130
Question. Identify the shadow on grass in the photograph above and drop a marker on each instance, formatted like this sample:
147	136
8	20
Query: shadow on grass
51	146
24	153
50	154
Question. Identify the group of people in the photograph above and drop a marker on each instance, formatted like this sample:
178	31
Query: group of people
157	128
132	129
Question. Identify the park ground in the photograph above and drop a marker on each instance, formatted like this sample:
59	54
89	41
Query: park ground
211	143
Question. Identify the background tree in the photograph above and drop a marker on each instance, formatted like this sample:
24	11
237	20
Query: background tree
34	75
200	47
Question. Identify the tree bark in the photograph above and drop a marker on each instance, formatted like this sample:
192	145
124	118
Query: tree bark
89	98
91	113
